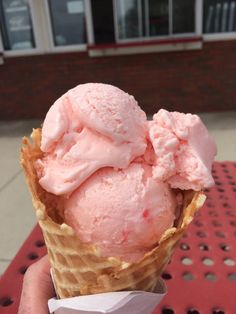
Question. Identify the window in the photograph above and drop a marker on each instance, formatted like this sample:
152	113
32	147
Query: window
158	17
102	23
128	19
152	18
219	16
183	16
68	22
16	25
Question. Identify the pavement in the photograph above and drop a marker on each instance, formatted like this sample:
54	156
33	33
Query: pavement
16	211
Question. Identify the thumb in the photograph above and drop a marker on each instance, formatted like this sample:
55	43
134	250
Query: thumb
37	288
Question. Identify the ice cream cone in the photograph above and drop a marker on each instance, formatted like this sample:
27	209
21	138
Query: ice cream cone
79	268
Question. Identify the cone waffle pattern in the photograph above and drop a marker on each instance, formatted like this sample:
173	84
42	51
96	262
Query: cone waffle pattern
78	268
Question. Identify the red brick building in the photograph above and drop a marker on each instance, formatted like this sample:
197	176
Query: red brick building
177	54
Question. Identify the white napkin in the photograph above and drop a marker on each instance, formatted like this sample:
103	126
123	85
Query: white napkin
132	302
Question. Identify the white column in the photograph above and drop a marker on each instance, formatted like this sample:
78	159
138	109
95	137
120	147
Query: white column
89	21
217	18
47	35
122	13
1	50
40	25
115	19
224	19
140	20
147	22
170	7
231	16
209	19
198	17
1	43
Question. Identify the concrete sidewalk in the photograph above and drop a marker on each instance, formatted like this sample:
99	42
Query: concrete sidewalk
17	214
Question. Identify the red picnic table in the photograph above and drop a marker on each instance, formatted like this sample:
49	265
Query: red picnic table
201	278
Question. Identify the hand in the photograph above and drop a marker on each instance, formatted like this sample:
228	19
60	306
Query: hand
37	288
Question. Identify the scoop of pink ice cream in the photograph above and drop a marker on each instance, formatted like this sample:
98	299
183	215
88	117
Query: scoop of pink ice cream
183	149
123	212
90	127
115	170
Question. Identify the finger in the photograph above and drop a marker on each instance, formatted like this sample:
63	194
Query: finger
37	288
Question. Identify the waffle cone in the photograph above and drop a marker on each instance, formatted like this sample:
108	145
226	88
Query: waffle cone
79	268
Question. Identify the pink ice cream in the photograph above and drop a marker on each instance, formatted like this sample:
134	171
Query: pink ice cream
117	172
123	211
90	127
183	150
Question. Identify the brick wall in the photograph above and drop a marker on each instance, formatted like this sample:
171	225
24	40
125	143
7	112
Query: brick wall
189	81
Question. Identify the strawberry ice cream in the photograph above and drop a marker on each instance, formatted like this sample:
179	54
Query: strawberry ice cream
120	175
90	127
183	150
123	211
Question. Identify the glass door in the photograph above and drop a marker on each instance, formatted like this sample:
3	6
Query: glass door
16	25
68	22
